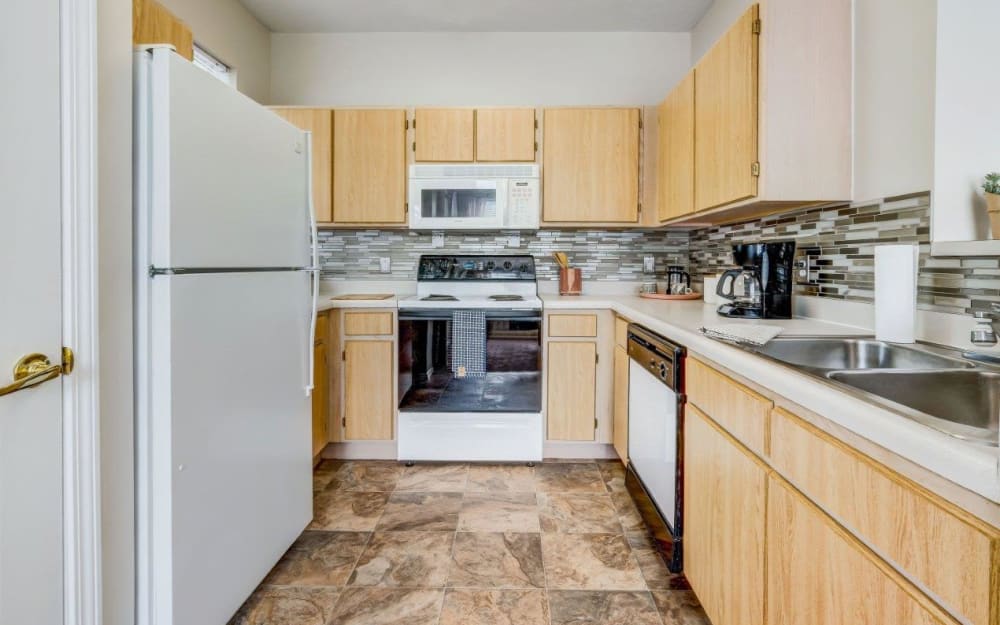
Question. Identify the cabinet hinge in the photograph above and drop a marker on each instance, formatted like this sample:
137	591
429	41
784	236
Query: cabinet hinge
343	355
597	358
595	423
406	124
414	123
536	146
756	26
536	124
414	146
406	208
640	208
755	168
343	421
640	120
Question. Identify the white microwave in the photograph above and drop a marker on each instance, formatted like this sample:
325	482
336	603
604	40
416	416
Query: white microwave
476	196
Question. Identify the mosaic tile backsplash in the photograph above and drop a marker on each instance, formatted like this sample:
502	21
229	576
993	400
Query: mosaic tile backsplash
602	255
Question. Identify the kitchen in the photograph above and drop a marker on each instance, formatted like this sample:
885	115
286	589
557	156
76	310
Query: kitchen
470	279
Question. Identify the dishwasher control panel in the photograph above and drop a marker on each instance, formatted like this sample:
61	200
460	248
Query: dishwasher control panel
656	354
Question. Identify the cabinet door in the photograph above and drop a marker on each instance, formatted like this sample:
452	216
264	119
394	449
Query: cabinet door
620	437
816	574
724	502
444	135
591	165
572	387
320	400
505	135
675	170
725	105
368	395
320	123
369	166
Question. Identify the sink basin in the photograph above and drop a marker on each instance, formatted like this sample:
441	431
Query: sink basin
837	353
964	404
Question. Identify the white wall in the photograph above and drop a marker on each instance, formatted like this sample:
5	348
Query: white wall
893	97
114	201
232	34
717	20
967	117
476	68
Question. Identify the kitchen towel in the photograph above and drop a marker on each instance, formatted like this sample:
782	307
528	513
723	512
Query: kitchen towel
896	293
468	343
751	335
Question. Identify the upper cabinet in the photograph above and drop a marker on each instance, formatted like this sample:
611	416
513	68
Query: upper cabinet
590	169
772	115
675	146
369	166
444	135
505	135
725	114
320	123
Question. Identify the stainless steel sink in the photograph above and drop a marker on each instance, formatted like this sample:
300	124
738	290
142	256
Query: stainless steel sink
839	353
962	403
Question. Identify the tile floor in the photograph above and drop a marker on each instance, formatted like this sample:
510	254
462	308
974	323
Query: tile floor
456	544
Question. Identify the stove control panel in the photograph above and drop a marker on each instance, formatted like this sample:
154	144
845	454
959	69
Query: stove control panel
469	267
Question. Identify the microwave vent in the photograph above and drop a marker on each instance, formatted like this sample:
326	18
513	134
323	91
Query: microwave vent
474	171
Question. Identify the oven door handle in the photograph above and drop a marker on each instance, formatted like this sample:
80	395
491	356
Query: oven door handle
491	315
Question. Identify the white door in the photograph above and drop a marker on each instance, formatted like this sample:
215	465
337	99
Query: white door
31	541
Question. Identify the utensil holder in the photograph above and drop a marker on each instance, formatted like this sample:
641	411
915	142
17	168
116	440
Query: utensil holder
570	281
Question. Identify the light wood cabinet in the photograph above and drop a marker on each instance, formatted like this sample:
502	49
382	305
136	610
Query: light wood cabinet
320	123
949	552
567	325
741	411
320	399
369	376
152	23
505	135
571	404
620	431
724	506
590	169
367	323
444	135
819	574
675	147
369	167
725	106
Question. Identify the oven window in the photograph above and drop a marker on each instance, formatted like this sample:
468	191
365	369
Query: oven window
442	203
457	364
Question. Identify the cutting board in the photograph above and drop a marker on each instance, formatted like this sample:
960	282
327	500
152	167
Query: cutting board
360	296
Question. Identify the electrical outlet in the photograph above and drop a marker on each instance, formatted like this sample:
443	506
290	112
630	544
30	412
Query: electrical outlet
437	239
648	264
384	264
514	240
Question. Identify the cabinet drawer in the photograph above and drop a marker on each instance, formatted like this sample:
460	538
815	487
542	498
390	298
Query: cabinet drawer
621	332
953	555
742	412
367	323
572	325
322	324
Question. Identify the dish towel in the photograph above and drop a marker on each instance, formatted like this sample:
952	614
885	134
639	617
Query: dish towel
744	334
468	343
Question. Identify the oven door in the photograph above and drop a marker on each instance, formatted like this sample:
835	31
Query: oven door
470	361
457	203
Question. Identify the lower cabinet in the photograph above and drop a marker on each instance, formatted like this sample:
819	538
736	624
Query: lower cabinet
818	574
368	389
724	504
571	404
620	435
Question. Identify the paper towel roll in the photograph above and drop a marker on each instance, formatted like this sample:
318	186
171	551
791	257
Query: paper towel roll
708	291
896	293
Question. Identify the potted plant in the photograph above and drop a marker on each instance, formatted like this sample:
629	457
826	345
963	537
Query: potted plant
991	186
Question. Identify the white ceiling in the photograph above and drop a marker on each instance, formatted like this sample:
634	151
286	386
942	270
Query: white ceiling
345	16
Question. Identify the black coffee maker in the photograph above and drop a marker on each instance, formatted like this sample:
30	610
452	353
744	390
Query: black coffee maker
762	288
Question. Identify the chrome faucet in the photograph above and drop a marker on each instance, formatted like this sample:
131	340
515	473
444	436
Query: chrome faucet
985	331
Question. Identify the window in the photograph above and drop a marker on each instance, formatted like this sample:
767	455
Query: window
215	67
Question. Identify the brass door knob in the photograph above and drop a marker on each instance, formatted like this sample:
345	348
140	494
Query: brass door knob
34	369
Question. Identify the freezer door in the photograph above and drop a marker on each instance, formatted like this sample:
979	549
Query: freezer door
224	444
228	180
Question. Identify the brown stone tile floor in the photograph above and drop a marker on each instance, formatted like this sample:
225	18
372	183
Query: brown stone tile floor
456	544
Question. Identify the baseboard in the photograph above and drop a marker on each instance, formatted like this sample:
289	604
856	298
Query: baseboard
574	449
361	450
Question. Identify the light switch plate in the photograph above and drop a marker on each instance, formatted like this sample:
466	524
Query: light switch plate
384	264
514	240
437	239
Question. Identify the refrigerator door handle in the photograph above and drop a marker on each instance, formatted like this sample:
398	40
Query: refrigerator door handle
314	269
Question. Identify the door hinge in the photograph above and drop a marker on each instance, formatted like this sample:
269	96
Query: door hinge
595	423
755	168
756	26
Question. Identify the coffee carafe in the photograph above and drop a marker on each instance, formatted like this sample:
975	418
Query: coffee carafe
762	287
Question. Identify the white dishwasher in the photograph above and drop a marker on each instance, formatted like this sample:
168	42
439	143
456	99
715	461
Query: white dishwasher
655	436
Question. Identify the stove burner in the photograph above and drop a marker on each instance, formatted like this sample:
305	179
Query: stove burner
434	297
507	298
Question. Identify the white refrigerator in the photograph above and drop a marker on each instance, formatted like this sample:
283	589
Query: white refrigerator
224	317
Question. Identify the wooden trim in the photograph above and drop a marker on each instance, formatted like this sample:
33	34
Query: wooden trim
621	331
368	323
153	24
572	325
